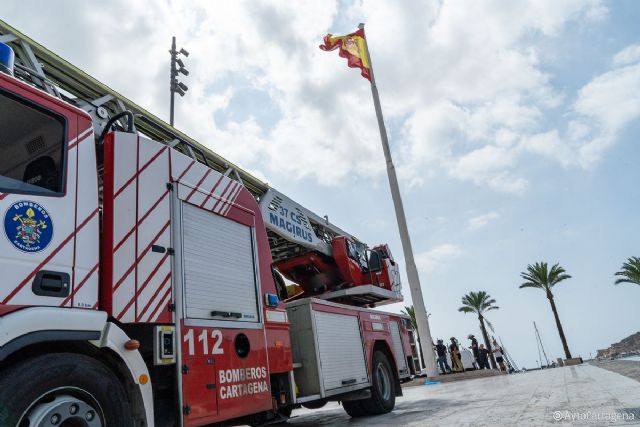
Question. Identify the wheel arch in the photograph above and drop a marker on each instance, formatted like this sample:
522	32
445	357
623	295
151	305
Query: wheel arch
106	356
82	332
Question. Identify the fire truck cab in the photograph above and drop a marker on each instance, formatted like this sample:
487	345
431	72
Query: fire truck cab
139	288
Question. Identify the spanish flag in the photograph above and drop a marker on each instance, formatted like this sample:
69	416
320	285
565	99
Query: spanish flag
353	47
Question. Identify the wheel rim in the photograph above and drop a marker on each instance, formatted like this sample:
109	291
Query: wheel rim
383	380
64	407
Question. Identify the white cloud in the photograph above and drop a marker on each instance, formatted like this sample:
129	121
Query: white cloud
490	165
626	56
462	84
550	144
470	86
437	257
482	220
611	98
601	110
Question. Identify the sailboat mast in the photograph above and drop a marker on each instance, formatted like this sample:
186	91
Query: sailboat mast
541	345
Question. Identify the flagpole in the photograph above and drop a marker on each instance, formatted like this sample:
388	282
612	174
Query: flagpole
412	272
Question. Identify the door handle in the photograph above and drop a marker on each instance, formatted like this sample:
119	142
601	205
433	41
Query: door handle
51	284
226	314
159	249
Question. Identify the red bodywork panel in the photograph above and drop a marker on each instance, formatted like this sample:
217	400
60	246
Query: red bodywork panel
142	180
312	271
6	309
223	386
317	273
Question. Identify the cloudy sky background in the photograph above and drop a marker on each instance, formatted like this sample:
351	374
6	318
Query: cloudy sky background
513	124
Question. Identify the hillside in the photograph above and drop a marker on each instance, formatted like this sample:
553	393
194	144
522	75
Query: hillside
631	344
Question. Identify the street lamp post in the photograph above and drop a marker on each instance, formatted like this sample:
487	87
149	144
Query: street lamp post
177	67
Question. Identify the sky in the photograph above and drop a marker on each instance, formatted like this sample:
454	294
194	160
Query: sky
514	127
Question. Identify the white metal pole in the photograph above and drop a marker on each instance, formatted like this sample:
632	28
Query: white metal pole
412	271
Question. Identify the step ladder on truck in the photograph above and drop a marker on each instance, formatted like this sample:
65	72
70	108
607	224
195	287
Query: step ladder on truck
144	277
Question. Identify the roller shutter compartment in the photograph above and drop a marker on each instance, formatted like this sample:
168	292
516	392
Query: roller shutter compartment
340	349
398	350
219	267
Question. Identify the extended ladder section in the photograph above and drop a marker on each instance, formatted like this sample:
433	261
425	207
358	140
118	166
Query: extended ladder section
325	261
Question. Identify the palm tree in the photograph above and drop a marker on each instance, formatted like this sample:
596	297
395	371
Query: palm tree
411	312
630	271
479	303
539	276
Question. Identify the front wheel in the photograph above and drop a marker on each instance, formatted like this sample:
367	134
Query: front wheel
63	389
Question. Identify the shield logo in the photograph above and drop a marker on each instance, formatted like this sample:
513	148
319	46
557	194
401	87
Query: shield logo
28	226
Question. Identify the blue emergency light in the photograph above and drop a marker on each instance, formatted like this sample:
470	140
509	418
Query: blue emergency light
6	59
271	300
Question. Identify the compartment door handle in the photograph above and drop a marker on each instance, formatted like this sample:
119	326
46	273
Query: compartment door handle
51	284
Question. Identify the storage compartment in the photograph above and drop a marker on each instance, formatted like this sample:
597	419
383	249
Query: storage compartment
328	348
219	269
398	350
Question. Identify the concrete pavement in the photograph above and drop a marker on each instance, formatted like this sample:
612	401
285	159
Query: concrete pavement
628	367
578	396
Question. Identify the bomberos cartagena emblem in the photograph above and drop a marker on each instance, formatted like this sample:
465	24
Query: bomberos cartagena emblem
28	226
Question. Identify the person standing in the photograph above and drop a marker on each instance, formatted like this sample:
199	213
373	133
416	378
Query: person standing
483	358
441	351
497	350
474	349
454	350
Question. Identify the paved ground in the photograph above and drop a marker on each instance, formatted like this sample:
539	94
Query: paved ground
627	367
458	376
584	393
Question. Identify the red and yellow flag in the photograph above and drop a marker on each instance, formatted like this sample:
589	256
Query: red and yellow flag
353	47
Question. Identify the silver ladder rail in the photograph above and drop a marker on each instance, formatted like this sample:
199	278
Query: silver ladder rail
42	68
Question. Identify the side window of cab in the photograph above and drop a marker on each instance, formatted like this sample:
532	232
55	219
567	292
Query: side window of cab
32	148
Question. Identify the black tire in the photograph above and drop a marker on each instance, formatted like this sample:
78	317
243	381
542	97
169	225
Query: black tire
285	411
353	408
383	394
315	404
62	382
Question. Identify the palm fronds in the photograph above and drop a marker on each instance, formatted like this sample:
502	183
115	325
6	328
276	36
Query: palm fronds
630	272
540	276
477	302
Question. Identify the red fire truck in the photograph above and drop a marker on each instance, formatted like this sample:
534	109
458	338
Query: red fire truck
144	283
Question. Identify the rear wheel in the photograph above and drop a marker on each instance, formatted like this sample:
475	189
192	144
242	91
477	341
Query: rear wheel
383	396
285	411
64	390
353	408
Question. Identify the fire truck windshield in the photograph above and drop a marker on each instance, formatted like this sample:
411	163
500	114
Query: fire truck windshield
31	148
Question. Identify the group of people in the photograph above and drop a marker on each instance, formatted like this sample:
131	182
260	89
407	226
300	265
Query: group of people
454	351
480	355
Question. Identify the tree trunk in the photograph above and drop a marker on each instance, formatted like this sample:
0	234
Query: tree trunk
567	353
487	343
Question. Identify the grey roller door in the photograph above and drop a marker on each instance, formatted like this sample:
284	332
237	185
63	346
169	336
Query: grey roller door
340	350
398	351
219	270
